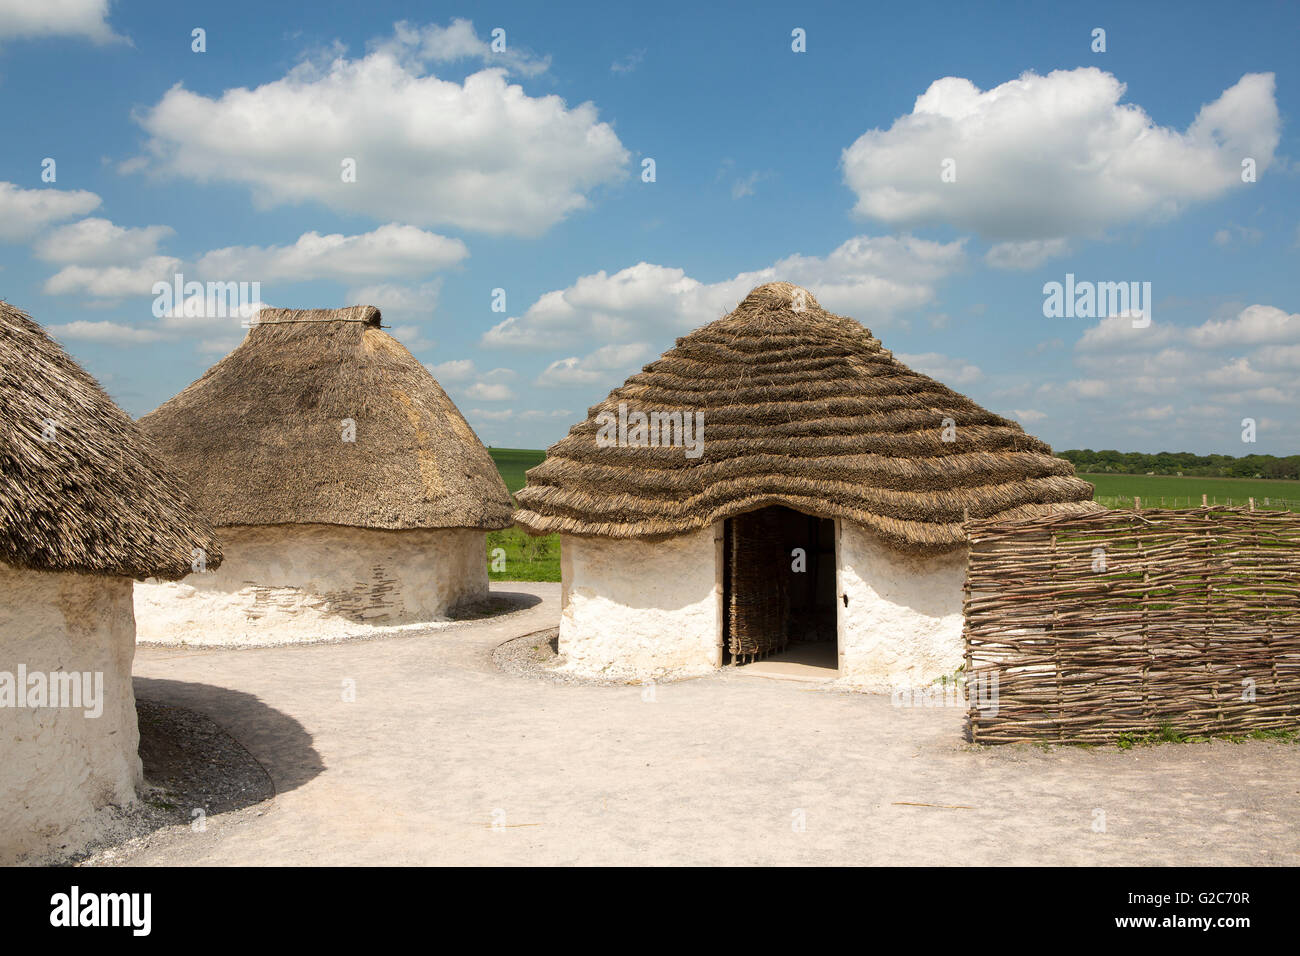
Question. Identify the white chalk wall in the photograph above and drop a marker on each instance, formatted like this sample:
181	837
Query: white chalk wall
640	610
903	623
58	765
296	583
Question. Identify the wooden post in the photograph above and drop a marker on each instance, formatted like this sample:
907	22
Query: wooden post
1205	503
1252	504
1137	503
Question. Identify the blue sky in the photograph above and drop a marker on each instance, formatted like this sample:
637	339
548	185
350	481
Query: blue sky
521	169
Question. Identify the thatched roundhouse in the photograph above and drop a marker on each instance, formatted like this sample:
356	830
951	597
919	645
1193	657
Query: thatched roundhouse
85	506
817	495
347	489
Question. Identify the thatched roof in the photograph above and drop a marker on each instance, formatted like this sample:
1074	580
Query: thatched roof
81	489
260	436
806	409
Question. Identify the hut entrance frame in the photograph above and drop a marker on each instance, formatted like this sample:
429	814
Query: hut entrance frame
778	571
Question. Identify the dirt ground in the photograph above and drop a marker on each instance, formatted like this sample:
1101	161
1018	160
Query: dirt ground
416	749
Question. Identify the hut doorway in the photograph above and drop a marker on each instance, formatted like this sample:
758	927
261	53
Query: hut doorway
778	591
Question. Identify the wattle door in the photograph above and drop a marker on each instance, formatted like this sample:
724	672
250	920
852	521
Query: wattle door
757	603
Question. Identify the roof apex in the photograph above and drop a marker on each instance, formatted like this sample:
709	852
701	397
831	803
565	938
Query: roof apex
780	295
365	314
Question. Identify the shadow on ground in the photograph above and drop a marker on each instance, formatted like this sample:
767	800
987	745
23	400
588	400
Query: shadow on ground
194	768
191	764
498	603
280	745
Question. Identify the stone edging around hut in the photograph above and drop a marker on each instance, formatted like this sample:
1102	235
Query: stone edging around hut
536	656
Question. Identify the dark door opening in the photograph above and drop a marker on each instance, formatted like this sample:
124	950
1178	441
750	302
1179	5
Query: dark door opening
778	582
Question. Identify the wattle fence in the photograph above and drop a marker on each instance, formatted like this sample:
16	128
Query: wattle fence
1084	628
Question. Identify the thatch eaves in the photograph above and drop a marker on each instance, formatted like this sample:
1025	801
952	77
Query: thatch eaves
81	489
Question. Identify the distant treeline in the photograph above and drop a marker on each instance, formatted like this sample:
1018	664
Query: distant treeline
1182	463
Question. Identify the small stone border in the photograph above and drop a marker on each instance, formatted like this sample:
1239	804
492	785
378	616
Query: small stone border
536	656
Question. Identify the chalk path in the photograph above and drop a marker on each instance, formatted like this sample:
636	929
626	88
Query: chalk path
442	759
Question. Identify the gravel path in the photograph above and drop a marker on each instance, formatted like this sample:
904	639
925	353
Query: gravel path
418	749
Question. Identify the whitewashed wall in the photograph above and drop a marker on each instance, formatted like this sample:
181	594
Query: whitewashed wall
903	622
58	765
295	583
638	610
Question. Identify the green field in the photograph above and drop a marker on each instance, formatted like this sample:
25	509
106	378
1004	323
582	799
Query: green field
513	462
1171	491
527	558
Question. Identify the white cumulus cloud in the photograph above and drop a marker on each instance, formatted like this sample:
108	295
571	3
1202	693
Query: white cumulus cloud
599	366
1047	157
113	282
25	212
417	46
1197	381
869	277
86	19
1027	416
100	242
1025	254
482	155
490	391
390	251
455	370
1116	332
107	333
1253	325
942	368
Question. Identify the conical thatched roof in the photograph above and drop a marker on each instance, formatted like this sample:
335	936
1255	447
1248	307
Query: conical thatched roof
260	437
802	408
81	489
